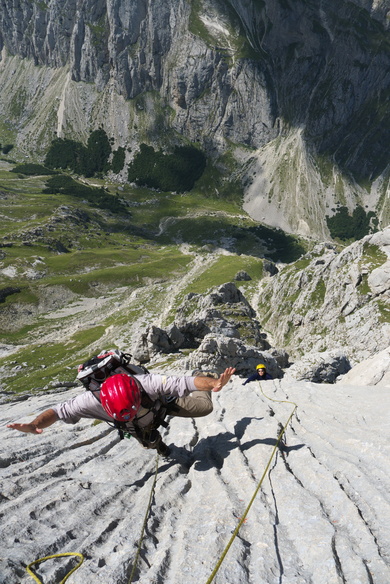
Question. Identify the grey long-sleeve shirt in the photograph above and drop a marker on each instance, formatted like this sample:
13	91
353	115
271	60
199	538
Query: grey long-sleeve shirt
85	405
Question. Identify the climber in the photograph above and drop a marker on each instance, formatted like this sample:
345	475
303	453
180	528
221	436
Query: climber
260	375
136	404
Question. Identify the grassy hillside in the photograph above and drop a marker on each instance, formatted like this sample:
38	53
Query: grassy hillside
77	275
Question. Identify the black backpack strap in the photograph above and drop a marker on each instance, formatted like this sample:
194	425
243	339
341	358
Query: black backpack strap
119	427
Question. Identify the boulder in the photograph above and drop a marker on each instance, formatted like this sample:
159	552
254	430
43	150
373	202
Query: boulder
217	352
242	276
319	367
153	341
373	371
176	337
270	268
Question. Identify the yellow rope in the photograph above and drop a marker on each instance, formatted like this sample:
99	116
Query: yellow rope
55	556
144	524
28	568
235	532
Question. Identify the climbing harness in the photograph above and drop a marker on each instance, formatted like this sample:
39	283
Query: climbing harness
29	571
134	567
243	518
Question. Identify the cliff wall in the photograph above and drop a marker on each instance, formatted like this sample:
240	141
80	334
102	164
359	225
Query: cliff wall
300	90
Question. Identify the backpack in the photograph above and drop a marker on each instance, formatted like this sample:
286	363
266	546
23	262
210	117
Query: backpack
93	372
98	368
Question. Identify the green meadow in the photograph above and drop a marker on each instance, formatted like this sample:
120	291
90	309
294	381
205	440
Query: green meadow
59	248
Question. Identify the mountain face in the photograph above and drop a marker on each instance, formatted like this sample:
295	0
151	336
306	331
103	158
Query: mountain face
297	92
331	300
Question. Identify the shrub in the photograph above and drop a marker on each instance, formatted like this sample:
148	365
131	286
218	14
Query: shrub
118	160
65	185
280	245
63	153
7	148
97	152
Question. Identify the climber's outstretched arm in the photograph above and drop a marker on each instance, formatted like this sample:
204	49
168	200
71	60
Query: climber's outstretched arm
44	420
208	383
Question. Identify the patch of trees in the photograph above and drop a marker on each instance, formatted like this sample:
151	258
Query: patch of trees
118	160
65	185
167	172
344	226
32	169
176	171
88	160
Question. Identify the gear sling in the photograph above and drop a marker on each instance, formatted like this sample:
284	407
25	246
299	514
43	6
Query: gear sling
93	372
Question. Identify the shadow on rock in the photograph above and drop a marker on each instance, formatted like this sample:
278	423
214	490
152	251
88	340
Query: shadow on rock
271	442
241	426
212	451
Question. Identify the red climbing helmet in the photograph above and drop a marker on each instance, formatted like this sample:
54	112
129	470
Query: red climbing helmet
120	397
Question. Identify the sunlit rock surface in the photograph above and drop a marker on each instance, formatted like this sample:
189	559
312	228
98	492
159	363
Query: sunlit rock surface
321	515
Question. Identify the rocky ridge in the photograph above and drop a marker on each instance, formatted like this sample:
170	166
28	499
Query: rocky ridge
331	300
327	316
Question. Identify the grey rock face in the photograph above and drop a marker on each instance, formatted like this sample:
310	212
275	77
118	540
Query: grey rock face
141	48
313	75
318	367
332	300
227	74
322	512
